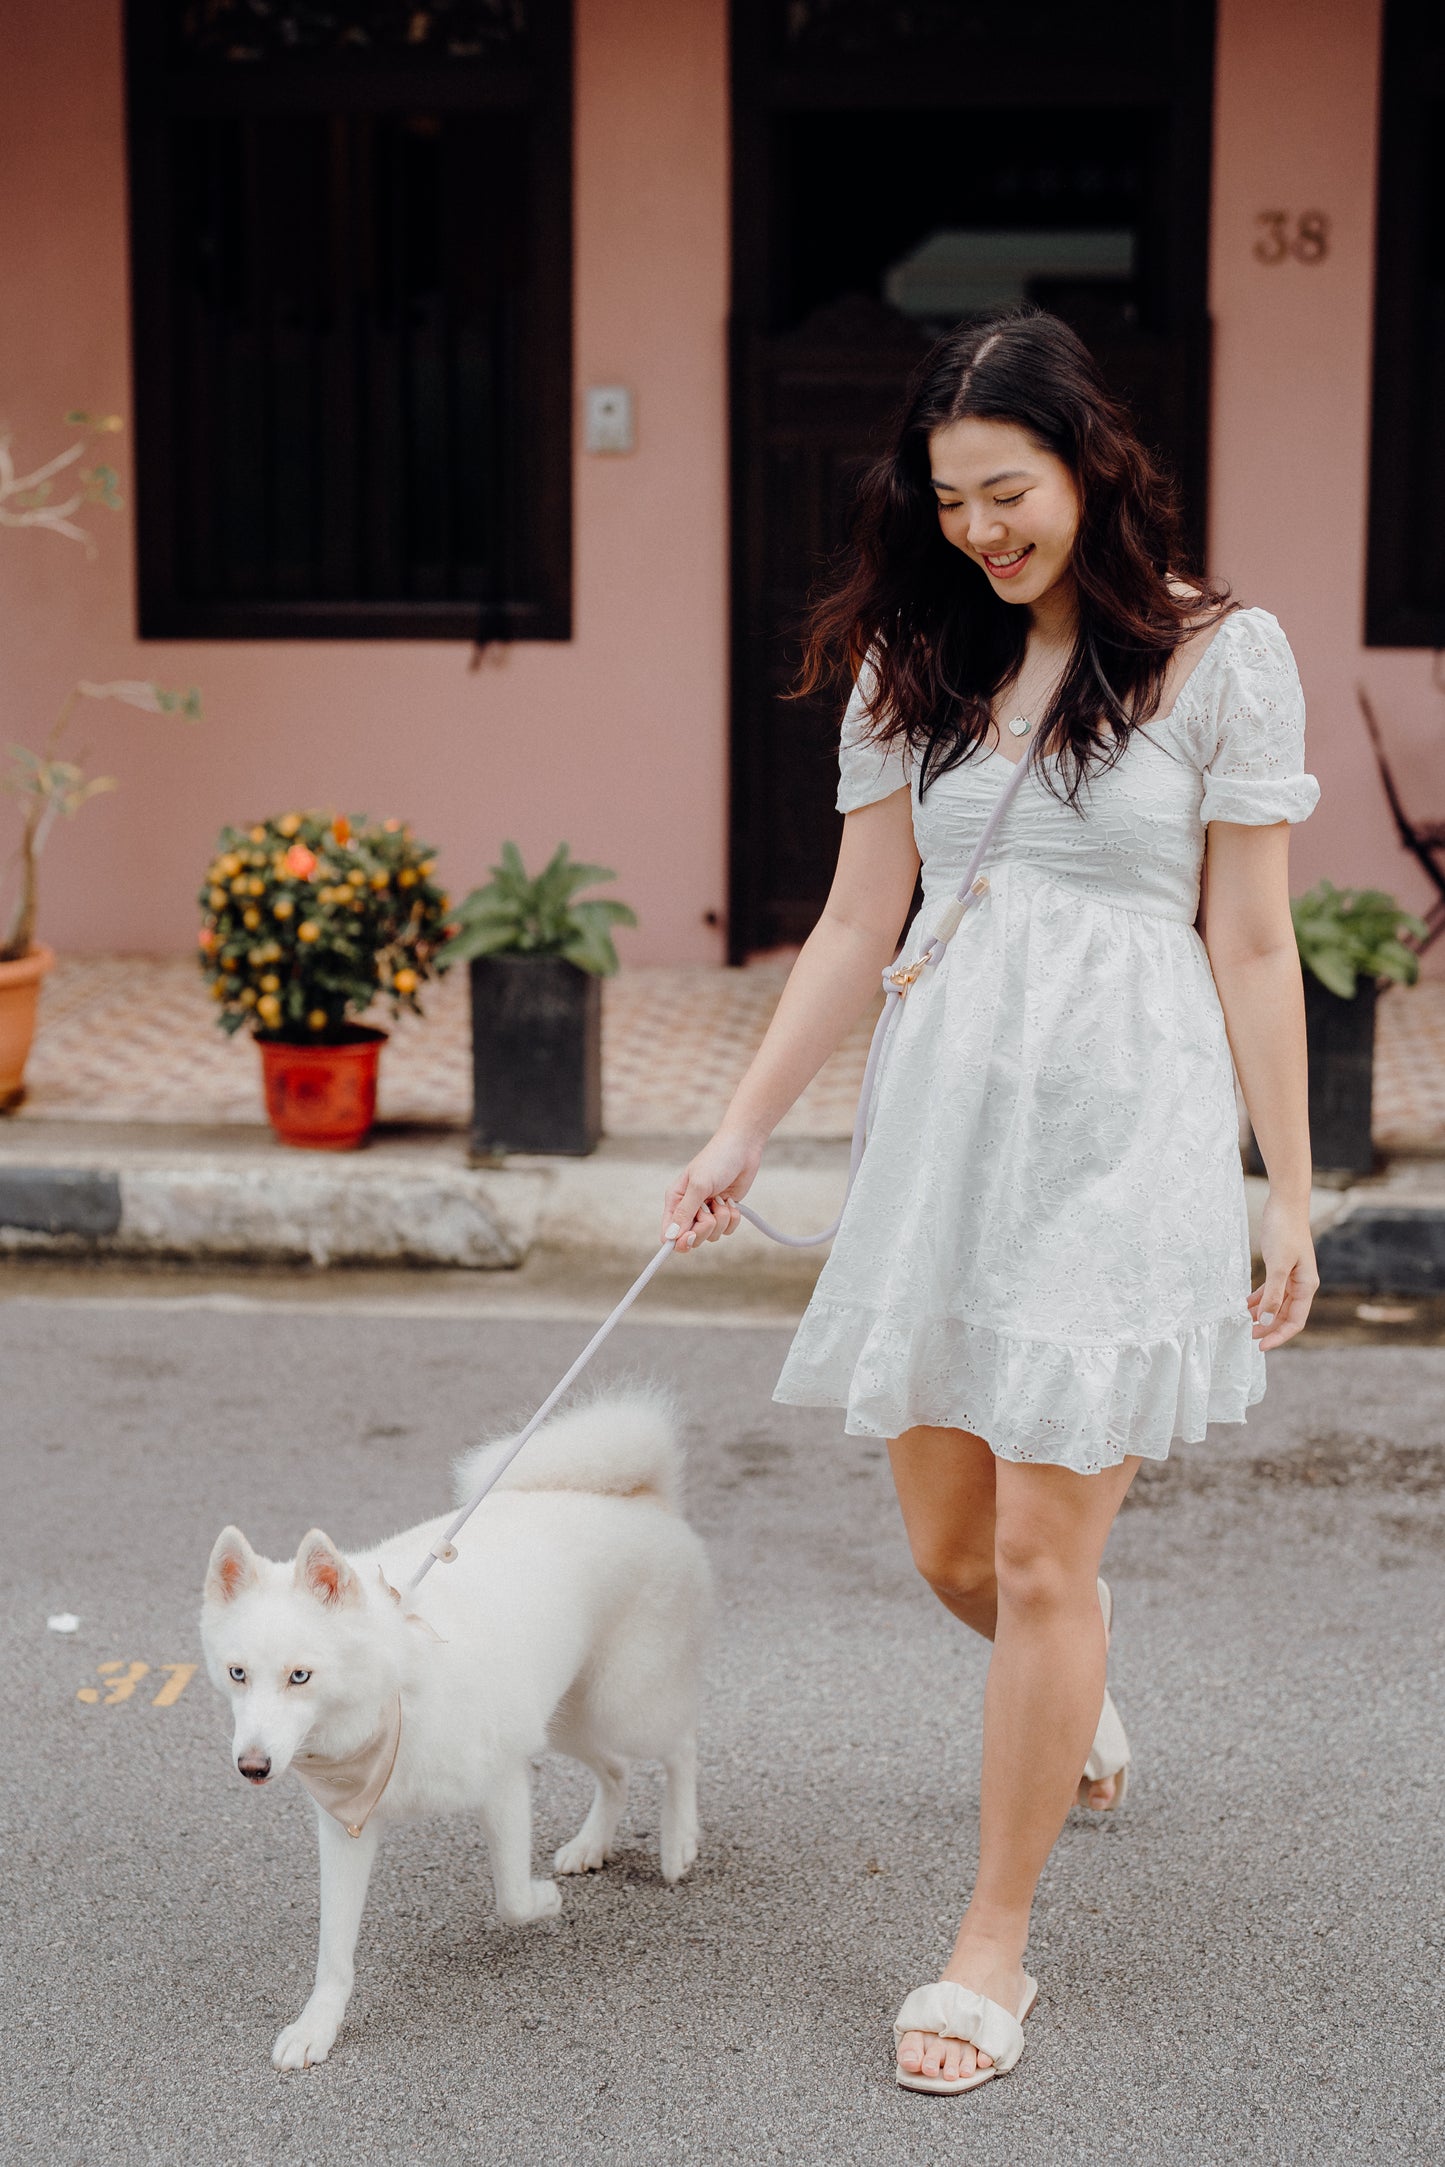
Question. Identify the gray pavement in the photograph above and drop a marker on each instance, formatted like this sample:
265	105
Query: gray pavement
1244	1966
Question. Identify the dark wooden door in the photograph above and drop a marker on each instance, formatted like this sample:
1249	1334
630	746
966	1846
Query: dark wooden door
813	401
860	130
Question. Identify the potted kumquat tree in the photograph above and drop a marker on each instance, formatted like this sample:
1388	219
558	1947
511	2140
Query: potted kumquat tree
307	919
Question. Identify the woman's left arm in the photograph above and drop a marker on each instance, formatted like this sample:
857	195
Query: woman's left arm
1253	954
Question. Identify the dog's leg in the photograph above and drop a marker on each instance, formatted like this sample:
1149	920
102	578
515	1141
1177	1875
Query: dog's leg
679	1809
346	1863
507	1820
591	1847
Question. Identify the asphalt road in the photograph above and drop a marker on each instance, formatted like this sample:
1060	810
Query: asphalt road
1244	1966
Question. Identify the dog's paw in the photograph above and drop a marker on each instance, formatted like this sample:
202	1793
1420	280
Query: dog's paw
546	1903
308	2041
583	1855
678	1849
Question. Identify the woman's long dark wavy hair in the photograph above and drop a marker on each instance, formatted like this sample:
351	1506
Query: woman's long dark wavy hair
941	643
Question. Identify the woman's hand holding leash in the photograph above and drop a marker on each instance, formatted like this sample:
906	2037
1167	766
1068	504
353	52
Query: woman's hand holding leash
702	1199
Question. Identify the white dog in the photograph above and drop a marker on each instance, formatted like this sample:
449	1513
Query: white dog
572	1617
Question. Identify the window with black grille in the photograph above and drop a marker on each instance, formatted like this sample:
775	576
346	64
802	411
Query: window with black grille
1405	583
351	252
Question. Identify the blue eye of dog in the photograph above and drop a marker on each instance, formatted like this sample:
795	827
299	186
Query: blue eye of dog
236	1675
299	1677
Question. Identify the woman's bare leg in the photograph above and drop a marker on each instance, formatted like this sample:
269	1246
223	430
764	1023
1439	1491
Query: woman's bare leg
1045	1688
945	1484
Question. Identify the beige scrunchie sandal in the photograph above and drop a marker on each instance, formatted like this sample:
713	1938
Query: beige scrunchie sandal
1109	1755
950	2011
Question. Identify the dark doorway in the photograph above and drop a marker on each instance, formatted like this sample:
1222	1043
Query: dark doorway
895	169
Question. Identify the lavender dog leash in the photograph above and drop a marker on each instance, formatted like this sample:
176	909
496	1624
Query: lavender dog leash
897	979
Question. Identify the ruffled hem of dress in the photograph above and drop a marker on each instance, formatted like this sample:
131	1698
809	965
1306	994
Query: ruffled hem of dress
1057	1402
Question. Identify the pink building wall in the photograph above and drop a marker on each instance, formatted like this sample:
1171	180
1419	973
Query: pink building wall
1296	114
617	740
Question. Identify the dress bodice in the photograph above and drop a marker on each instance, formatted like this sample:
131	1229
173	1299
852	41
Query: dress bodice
1231	748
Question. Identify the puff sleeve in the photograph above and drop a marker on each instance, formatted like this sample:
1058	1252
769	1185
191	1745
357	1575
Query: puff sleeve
1254	770
867	771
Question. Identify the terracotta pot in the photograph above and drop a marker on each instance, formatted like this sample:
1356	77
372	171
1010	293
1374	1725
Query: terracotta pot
19	994
322	1098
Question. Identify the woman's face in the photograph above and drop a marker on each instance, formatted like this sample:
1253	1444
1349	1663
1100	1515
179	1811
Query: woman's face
1007	503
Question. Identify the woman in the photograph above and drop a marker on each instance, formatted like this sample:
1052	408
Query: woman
1043	1273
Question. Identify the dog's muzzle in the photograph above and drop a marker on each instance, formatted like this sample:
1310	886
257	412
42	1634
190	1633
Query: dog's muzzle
255	1767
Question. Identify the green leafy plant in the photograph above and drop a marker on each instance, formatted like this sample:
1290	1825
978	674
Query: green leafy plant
50	787
515	915
1349	933
308	917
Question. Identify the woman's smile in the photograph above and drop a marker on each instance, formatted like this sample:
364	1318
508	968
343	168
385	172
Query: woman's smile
1005	567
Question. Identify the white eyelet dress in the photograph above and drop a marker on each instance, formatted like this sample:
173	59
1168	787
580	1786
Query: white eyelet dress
1047	1241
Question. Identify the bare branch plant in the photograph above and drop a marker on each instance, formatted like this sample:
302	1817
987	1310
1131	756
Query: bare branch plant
47	784
25	499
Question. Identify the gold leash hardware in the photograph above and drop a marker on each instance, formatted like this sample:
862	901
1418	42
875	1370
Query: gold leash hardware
902	975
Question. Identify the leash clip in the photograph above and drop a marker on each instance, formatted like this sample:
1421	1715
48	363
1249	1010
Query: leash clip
900	976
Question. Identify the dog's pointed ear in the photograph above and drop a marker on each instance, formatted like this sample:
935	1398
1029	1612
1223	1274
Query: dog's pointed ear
234	1567
322	1571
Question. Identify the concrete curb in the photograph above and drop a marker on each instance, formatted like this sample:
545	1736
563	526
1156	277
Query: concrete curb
180	1198
236	1196
1389	1235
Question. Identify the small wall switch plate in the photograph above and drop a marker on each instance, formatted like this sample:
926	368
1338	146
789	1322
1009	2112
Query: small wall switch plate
608	425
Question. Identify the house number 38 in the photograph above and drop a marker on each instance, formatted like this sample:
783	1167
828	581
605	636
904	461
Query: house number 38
1303	235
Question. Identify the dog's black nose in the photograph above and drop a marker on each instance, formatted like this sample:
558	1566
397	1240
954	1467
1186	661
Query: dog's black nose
255	1767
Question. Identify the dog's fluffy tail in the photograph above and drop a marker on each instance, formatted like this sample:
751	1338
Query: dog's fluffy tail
621	1444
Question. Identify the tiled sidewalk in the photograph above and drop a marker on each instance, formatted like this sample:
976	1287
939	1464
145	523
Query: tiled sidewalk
132	1039
126	1038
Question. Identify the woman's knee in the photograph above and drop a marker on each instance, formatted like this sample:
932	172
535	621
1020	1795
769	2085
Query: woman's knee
957	1574
1033	1576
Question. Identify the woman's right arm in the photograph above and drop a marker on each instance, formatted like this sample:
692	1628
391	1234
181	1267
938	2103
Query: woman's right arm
838	969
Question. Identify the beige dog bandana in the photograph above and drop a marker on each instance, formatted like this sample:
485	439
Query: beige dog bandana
350	1789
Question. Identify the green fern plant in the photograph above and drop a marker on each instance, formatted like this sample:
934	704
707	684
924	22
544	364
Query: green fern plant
1350	933
518	915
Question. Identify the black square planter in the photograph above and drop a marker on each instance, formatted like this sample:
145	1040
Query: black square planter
536	1055
1341	1041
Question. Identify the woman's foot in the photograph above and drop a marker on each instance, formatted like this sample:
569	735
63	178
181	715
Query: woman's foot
983	1969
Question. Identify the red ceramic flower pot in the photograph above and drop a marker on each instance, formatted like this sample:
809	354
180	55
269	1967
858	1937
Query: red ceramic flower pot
322	1098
